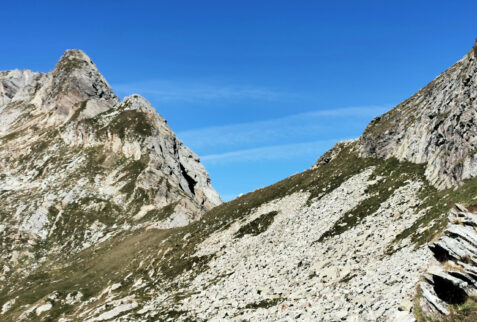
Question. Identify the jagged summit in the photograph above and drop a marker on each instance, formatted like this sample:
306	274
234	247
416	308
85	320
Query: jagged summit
137	101
75	61
78	166
75	80
76	54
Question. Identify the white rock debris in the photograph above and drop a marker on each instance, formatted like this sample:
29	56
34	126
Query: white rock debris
345	276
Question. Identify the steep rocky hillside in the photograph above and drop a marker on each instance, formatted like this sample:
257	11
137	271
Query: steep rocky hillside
364	235
435	126
77	166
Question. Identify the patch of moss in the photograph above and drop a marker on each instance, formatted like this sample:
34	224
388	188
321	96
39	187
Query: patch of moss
57	311
69	64
171	314
348	278
52	212
77	216
265	304
39	147
82	107
129	122
437	204
131	172
88	271
466	312
159	214
418	313
175	269
256	226
11	136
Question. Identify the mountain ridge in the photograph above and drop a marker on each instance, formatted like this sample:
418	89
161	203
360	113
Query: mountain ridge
373	231
79	166
440	133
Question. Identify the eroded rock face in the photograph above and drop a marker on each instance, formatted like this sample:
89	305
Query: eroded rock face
453	279
77	164
436	126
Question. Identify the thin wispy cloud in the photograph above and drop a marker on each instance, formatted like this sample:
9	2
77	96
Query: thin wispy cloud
194	90
296	128
275	152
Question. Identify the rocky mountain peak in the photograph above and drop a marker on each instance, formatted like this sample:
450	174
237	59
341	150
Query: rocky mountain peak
74	86
136	101
75	61
78	166
76	54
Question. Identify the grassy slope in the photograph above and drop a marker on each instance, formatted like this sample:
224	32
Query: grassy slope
171	253
89	270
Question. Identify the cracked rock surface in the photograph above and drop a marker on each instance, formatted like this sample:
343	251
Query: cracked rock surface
454	278
437	126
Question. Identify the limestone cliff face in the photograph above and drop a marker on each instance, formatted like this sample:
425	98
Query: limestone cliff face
436	126
77	165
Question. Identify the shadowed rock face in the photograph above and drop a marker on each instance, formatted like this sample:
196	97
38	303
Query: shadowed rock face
436	126
78	166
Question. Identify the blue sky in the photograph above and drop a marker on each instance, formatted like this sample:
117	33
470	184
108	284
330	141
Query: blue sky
259	89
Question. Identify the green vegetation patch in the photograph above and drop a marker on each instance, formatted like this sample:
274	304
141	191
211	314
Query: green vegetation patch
437	204
394	174
256	226
264	304
69	64
82	107
39	147
130	122
88	271
466	312
77	216
12	136
131	172
159	214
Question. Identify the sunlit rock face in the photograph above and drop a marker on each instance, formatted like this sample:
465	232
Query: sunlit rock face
77	164
436	126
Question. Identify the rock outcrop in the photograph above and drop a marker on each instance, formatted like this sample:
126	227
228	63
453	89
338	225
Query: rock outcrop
436	126
454	278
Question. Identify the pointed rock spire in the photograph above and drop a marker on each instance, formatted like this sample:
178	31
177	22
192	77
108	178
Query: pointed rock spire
77	88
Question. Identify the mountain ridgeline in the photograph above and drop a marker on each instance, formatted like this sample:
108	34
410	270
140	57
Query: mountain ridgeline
106	215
